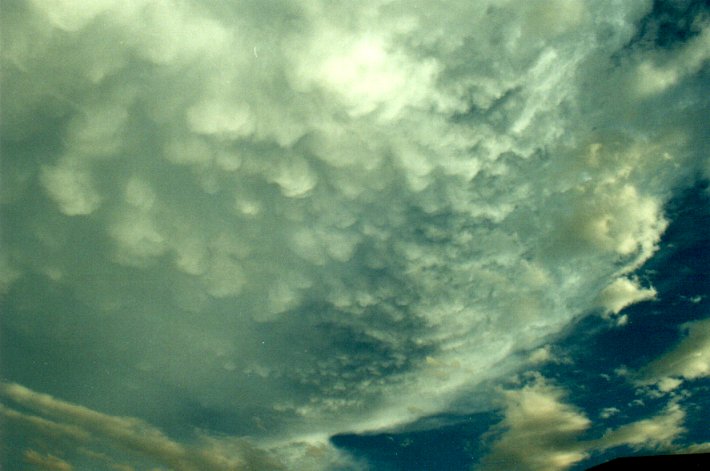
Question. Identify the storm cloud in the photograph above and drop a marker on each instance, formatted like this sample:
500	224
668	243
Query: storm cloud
309	218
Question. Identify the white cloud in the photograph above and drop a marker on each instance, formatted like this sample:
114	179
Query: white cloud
698	448
72	188
608	412
368	77
658	432
623	292
659	73
215	118
540	355
688	360
69	16
541	431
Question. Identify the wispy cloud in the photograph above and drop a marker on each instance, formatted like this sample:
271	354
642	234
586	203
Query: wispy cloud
539	431
688	360
542	430
89	432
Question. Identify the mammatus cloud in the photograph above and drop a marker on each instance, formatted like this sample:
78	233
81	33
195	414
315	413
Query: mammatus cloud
542	431
294	220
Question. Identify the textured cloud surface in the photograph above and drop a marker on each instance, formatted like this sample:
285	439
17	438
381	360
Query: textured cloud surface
285	220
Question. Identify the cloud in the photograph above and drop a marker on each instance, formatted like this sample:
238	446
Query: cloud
608	412
698	448
541	355
658	432
665	69
90	432
623	292
688	360
46	461
303	219
541	430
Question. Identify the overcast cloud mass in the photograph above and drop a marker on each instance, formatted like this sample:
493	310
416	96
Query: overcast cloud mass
234	229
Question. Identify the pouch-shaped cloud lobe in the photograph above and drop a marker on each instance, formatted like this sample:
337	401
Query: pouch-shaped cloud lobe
315	217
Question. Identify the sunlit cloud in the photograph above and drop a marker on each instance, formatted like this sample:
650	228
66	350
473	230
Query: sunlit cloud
688	360
541	430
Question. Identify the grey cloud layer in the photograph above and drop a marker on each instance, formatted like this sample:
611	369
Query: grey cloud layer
327	217
102	439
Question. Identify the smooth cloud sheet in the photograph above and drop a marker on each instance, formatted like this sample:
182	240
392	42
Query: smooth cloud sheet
282	220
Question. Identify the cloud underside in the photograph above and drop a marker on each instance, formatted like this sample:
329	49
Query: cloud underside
311	219
94	439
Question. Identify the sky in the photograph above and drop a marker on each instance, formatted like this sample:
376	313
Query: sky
333	235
